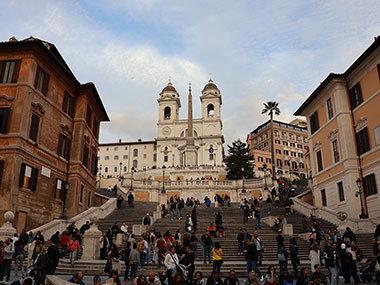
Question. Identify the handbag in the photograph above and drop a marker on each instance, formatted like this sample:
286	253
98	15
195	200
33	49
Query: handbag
377	266
179	268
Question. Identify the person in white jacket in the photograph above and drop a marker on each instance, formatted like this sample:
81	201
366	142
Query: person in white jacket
170	262
314	256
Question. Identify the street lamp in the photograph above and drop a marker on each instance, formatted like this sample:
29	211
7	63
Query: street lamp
163	179
132	170
359	193
243	188
121	165
173	161
265	176
65	189
100	175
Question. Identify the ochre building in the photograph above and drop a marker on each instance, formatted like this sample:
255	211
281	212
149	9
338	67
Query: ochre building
49	129
344	133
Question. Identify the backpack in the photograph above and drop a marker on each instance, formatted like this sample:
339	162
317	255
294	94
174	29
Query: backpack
140	246
281	256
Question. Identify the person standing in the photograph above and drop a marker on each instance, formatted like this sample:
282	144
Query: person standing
294	259
180	206
282	256
251	256
206	242
314	256
53	256
217	257
259	246
146	220
245	212
119	201
134	259
188	262
8	252
40	264
19	257
171	261
258	218
74	247
125	254
269	203
130	200
332	262
240	239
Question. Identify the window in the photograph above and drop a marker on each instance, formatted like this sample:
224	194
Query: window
294	154
154	147
340	191
319	160
287	162
107	149
106	157
276	134
305	140
41	82
299	146
4	120
58	189
68	104
34	127
211	156
95	127
1	170
9	70
323	196
260	159
64	145
167	113
28	177
265	144
378	70
89	199
115	148
268	160
277	142
144	156
302	165
154	157
115	169
279	162
85	156
294	165
300	155
94	162
369	185
278	151
362	141
284	135
286	152
115	157
291	137
125	156
298	139
81	193
356	97
292	144
314	122
134	164
330	110
135	152
126	148
210	110
285	143
88	116
106	169
335	150
166	158
125	169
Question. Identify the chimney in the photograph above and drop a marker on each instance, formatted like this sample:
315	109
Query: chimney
119	140
139	140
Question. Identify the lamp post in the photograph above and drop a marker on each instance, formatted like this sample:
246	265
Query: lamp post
100	176
359	193
265	176
243	188
121	165
66	188
173	161
163	179
132	170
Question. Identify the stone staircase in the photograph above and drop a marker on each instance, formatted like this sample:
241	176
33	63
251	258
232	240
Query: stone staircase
232	222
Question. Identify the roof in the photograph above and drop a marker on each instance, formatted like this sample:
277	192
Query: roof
210	85
277	123
169	88
52	52
332	76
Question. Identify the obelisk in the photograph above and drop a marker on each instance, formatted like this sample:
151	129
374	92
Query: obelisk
190	150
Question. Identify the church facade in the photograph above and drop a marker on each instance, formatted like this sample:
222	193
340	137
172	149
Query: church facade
174	146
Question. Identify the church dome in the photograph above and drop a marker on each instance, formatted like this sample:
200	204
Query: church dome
169	88
210	85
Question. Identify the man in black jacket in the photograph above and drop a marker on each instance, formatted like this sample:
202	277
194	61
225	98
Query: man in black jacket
53	257
252	255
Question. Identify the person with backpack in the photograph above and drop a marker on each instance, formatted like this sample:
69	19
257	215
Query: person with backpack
160	245
171	263
142	248
282	256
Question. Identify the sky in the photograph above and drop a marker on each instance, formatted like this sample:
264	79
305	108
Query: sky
255	51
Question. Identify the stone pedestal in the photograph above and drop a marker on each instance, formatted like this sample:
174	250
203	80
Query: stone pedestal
91	241
7	230
119	239
287	229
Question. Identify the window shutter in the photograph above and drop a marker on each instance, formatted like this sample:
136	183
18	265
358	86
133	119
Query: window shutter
16	71
1	70
60	139
65	102
55	188
88	116
45	84
1	170
22	174
68	149
4	126
37	76
34	127
33	181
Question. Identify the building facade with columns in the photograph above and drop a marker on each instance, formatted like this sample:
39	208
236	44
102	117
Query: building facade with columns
344	135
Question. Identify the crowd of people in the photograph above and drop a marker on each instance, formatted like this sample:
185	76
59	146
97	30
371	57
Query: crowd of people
176	252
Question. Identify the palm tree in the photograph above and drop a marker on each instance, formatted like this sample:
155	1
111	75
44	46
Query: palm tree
271	107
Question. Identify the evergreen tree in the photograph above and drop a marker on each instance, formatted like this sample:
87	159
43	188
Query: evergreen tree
239	161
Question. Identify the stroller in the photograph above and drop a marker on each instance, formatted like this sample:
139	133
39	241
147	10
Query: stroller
367	269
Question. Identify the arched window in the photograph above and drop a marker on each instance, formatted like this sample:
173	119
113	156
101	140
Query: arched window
135	152
135	164
167	113
210	110
294	165
106	169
